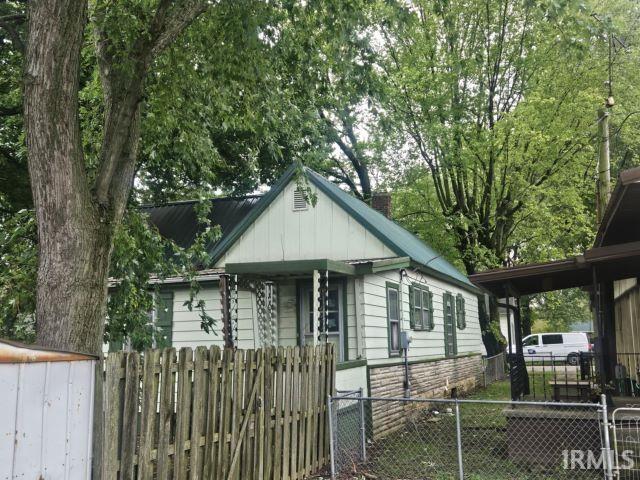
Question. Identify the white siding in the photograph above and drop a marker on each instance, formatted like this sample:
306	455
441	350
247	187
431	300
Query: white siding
186	324
322	231
46	415
425	344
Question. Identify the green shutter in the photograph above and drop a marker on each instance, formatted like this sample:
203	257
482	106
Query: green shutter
164	319
449	311
115	346
412	319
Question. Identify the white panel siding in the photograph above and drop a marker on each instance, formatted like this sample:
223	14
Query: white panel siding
322	231
46	418
425	344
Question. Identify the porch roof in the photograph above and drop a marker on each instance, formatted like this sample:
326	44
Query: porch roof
290	267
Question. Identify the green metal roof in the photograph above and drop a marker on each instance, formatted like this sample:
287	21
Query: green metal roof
399	240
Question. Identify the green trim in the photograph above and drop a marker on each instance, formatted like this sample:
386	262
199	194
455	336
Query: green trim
290	267
228	240
345	322
346	365
395	286
394	263
395	362
446	278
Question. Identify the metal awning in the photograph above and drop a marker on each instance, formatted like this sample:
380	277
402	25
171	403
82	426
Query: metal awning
290	267
613	262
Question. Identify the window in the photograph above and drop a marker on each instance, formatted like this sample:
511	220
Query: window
160	323
551	339
530	342
460	312
393	317
333	311
299	200
421	300
449	311
335	316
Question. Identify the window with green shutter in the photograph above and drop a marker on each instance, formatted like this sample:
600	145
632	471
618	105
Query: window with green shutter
421	307
164	319
449	312
460	312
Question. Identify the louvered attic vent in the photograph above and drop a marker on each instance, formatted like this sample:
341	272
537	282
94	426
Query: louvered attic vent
299	200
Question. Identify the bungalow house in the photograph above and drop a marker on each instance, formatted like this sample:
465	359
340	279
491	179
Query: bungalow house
288	271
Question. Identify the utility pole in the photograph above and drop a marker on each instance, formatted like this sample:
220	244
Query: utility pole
604	165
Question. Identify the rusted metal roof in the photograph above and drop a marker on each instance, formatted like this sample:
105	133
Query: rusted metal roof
14	352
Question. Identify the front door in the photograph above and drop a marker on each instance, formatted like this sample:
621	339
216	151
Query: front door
335	314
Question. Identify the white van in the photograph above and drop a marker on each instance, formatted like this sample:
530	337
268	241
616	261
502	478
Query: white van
561	345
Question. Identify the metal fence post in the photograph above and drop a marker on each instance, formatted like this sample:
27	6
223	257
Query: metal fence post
331	438
363	436
459	440
606	448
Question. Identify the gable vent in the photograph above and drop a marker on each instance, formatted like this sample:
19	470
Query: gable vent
299	200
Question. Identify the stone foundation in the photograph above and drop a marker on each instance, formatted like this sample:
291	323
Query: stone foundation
429	379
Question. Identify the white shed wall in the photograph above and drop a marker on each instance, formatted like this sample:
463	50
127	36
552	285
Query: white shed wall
322	231
46	418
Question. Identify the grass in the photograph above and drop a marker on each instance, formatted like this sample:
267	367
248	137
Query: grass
426	449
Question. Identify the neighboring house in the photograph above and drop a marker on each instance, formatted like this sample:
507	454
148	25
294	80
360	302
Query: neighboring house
289	272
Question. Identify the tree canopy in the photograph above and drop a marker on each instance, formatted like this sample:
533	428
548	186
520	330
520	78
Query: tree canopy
479	116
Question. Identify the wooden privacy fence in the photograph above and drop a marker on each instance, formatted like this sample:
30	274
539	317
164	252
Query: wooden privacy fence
217	414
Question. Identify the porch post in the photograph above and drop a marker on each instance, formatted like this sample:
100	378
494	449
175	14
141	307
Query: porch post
599	325
229	307
316	306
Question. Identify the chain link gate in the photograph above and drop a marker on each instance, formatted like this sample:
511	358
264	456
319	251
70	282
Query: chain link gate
451	439
625	426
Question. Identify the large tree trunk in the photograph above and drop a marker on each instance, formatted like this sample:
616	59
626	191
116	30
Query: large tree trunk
74	245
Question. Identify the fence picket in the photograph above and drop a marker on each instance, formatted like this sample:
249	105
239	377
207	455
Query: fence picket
277	461
183	412
129	416
113	415
295	409
304	352
197	416
165	416
212	414
149	397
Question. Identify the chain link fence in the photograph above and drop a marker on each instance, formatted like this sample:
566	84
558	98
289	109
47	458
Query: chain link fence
441	439
494	368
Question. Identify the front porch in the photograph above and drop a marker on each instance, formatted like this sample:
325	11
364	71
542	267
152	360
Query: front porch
307	302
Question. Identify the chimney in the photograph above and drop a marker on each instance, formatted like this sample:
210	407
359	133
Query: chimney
381	201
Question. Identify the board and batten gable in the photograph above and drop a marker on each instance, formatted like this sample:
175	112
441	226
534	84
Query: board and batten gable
323	230
425	344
